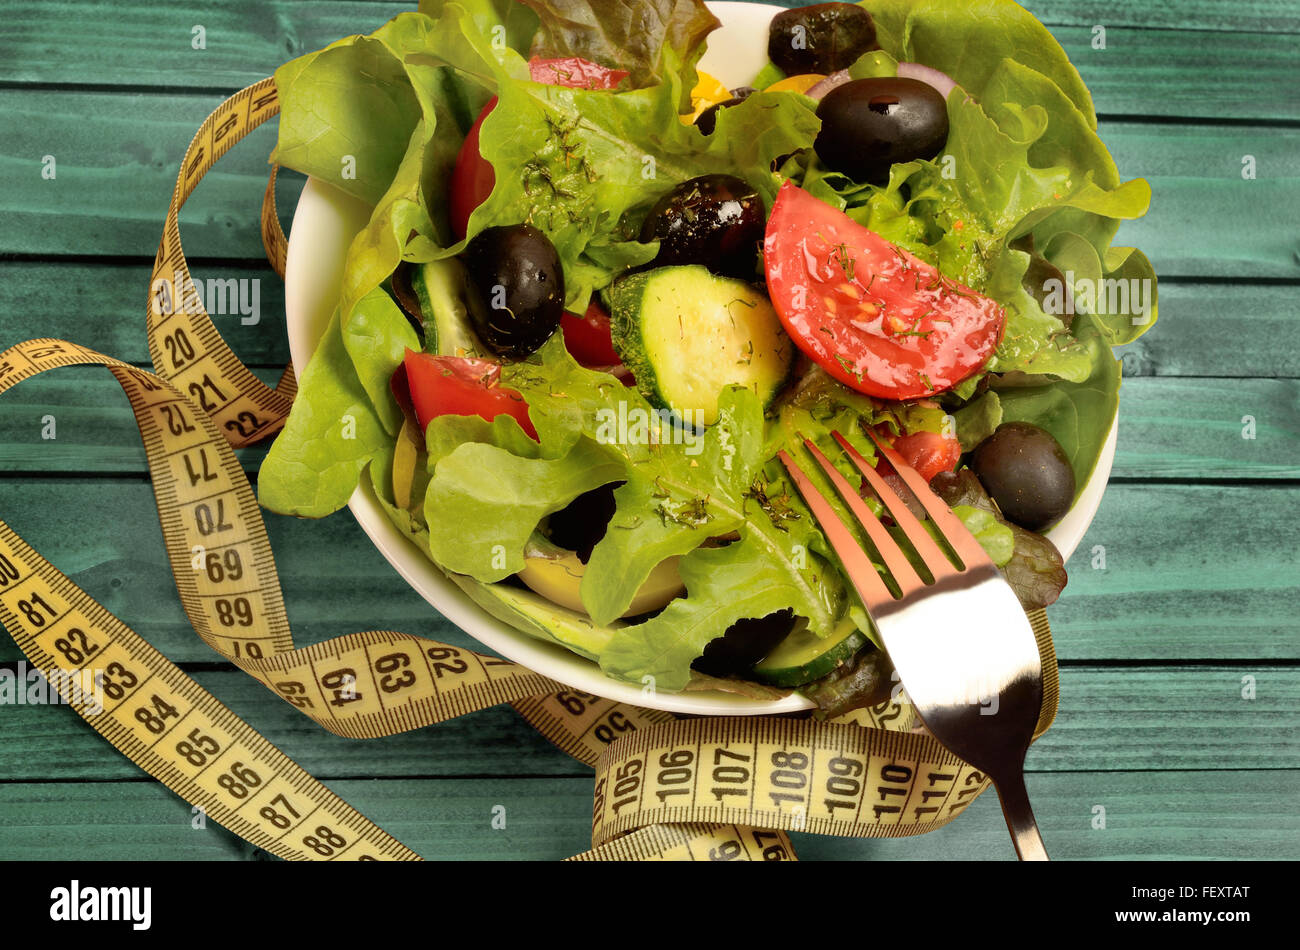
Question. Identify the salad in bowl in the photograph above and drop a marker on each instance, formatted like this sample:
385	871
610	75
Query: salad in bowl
598	264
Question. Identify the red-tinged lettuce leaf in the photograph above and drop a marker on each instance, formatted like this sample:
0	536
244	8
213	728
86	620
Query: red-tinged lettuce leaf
624	35
1036	571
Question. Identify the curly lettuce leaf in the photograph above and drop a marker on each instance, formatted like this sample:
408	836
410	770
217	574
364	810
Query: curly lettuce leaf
681	488
332	433
969	40
723	585
627	36
586	165
1077	414
346	115
483	502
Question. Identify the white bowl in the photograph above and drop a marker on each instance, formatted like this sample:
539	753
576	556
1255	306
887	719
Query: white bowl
324	223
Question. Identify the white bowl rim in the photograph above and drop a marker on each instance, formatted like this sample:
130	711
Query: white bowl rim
317	221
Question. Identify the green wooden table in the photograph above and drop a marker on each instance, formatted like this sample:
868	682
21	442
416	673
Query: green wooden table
1180	679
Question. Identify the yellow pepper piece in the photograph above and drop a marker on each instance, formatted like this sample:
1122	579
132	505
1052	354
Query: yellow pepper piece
796	83
708	91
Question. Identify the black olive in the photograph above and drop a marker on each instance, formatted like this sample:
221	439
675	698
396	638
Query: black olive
517	288
870	124
1025	470
581	524
744	644
407	300
714	220
708	120
823	38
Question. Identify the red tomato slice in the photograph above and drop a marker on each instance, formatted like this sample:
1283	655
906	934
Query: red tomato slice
588	338
473	179
458	386
929	452
875	317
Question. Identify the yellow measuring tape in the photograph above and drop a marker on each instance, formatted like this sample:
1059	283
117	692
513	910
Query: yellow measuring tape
665	788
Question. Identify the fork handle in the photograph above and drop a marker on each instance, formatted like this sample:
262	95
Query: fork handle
1020	817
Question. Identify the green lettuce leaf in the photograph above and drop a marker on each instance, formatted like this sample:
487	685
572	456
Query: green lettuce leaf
969	40
483	502
680	488
1078	414
995	538
586	165
346	115
723	585
978	420
331	434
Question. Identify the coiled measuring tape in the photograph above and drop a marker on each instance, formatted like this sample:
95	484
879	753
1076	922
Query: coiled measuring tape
665	788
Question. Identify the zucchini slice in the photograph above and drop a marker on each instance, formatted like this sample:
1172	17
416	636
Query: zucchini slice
803	656
686	334
440	289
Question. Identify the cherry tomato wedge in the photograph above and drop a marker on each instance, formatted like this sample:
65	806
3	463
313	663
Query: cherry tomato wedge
457	386
588	337
929	452
875	317
473	179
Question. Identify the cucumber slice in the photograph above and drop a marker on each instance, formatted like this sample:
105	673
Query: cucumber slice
686	334
803	656
441	291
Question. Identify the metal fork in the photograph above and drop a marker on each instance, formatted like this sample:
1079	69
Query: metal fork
961	642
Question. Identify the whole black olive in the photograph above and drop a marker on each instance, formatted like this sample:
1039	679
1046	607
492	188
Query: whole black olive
823	38
870	124
744	644
714	220
1025	470
516	288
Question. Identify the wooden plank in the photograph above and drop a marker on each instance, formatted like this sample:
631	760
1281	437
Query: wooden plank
99	303
1218	330
491	742
1162	51
1195	815
1170	427
117	158
1191	572
79	421
1205	218
1176	572
1209	428
105	535
1111	719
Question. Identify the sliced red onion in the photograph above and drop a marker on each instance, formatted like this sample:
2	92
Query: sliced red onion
833	81
941	82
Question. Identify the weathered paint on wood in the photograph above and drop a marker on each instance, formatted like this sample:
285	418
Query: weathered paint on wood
1179	593
1169	427
1111	719
117	157
1173	70
1191	815
1205	329
1190	572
